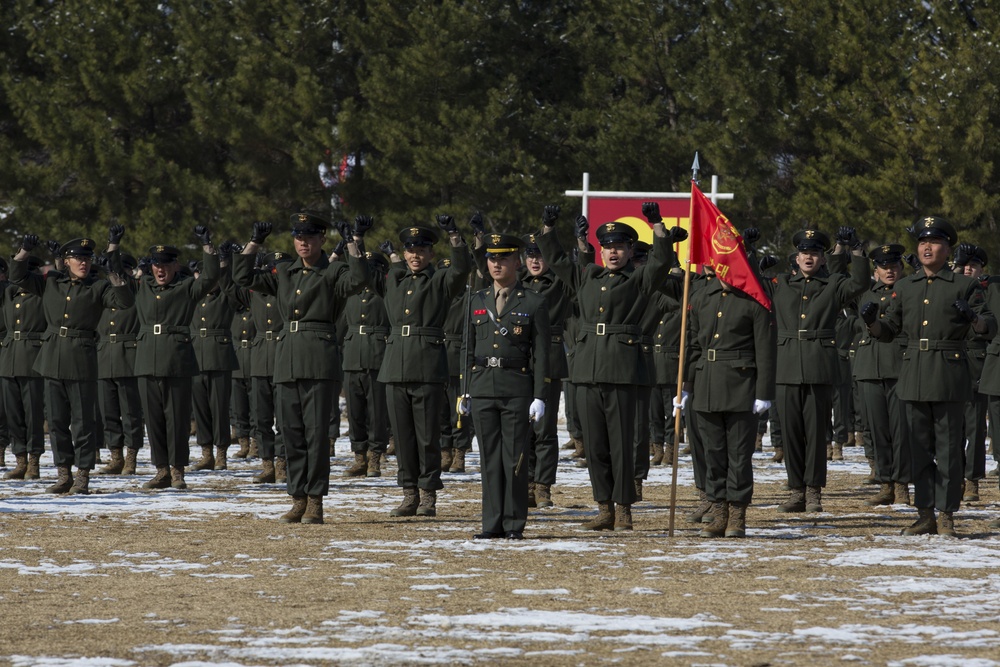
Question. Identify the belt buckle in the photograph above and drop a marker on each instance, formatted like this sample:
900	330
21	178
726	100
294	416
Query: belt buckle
361	330
404	330
601	329
63	331
244	344
925	344
112	338
711	355
657	347
17	335
203	333
268	335
293	326
157	329
493	362
802	331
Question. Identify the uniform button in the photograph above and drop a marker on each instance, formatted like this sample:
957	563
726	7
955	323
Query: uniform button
882	299
925	323
601	309
406	312
603	288
659	335
297	312
17	305
496	333
802	316
269	321
66	316
413	277
629	340
364	300
362	315
496	346
719	314
612	275
805	297
69	299
662	321
409	291
17	322
268	305
111	323
203	319
926	301
715	336
204	305
157	296
929	281
298	291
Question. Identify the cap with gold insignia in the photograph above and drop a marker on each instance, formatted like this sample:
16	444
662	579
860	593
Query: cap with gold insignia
933	226
501	245
417	236
531	248
616	232
308	223
887	255
811	239
128	261
968	252
164	254
274	258
377	260
78	248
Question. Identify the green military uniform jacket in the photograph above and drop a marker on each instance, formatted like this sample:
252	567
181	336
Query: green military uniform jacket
666	339
26	325
873	359
608	346
118	330
243	331
210	329
934	363
989	382
509	356
732	352
559	298
73	311
165	312
367	331
310	299
417	305
806	310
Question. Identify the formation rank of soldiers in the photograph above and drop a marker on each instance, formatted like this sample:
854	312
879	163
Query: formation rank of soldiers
258	347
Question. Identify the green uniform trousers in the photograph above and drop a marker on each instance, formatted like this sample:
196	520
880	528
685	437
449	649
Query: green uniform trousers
641	456
121	407
24	402
72	424
804	411
502	430
304	407
573	424
239	407
727	442
661	413
607	413
885	417
210	392
264	416
166	407
415	413
937	435
367	412
453	436
975	436
543	459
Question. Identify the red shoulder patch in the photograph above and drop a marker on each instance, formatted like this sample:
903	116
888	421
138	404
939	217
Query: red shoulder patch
479	312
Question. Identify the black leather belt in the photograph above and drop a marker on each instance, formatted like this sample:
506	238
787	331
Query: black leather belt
728	355
806	334
602	329
66	332
501	362
925	344
408	330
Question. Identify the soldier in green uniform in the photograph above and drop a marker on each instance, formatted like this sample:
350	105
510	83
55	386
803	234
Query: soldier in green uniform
648	324
23	387
311	293
211	389
612	299
507	350
989	383
970	260
243	333
121	402
731	367
4	431
364	347
935	308
805	307
415	367
73	301
456	434
165	362
876	369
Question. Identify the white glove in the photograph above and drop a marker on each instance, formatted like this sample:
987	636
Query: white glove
760	406
682	404
464	404
537	410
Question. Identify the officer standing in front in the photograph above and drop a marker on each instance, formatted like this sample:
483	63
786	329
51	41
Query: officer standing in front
936	309
507	354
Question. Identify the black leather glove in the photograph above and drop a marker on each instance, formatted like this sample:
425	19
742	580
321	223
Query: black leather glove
362	224
261	230
846	236
677	234
29	242
751	235
193	265
346	231
869	312
203	234
340	248
549	215
227	248
651	210
767	262
386	247
53	247
476	222
963	253
581	228
912	260
115	234
102	261
447	223
965	310
144	264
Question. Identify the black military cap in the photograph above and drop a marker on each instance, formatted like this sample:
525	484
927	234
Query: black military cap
616	232
640	250
972	253
307	223
128	261
531	245
377	260
811	239
78	248
275	258
34	263
501	245
932	226
417	236
886	255
164	254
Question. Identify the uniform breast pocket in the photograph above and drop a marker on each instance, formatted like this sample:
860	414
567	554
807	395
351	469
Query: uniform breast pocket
520	325
482	328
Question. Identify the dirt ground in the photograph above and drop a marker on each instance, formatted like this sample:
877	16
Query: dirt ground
209	576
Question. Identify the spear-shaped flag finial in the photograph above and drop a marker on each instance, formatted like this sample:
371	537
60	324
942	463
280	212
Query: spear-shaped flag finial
695	168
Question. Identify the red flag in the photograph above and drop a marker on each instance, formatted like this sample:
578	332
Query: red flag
715	243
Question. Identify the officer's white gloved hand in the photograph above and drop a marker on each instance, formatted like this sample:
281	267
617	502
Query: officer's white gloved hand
537	410
760	406
464	404
682	404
